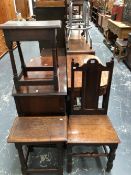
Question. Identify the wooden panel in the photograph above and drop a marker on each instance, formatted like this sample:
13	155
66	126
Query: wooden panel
40	104
50	3
22	7
7	12
59	13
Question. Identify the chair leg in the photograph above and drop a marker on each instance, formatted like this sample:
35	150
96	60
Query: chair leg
111	157
69	158
86	36
60	158
68	37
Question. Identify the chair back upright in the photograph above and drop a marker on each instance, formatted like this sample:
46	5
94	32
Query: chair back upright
92	97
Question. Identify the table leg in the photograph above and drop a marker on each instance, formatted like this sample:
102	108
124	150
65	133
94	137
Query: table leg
10	47
23	65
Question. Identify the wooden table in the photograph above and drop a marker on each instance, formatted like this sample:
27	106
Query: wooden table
32	31
121	29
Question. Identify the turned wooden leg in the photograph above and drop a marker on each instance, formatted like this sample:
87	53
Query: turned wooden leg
12	59
22	159
69	158
111	157
60	158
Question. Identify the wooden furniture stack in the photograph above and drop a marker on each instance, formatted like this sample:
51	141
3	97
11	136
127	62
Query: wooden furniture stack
39	92
7	12
40	79
42	102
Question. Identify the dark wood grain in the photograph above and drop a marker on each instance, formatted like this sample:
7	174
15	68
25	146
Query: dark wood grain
92	129
38	129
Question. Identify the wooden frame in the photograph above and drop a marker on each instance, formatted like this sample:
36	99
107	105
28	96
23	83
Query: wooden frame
88	123
31	31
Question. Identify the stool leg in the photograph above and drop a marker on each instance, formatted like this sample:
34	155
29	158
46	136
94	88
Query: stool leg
22	159
69	158
111	157
60	158
120	54
114	52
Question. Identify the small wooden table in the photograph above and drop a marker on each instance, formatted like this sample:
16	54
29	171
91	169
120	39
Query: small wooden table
32	31
121	29
38	131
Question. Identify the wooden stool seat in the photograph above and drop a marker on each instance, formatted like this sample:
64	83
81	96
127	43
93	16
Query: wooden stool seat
38	129
91	129
120	45
30	132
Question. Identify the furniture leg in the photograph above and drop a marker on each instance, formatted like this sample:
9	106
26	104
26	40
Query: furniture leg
111	157
55	65
23	66
69	158
22	158
60	158
12	59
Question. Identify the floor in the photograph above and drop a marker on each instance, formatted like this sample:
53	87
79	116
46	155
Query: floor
119	112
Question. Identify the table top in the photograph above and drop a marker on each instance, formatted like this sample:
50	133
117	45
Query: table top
31	24
38	129
120	24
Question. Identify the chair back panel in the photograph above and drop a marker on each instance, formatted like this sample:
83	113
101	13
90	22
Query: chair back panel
90	85
93	96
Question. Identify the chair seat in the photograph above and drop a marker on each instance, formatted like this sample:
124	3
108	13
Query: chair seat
38	129
91	129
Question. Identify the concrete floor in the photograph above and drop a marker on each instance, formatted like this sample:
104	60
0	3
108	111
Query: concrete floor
119	112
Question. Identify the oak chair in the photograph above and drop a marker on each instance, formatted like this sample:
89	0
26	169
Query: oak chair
89	123
30	132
